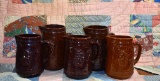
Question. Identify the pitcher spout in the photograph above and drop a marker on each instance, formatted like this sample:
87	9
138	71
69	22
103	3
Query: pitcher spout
17	37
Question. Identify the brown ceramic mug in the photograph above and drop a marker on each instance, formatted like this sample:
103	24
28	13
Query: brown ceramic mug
29	60
120	56
53	46
78	56
98	35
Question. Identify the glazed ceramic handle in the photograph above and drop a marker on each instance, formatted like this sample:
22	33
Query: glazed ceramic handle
95	55
48	43
139	52
111	33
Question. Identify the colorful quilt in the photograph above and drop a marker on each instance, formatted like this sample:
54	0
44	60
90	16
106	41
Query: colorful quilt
139	19
21	25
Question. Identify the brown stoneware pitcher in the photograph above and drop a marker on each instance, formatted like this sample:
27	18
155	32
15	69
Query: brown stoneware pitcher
29	62
120	56
98	35
78	56
54	49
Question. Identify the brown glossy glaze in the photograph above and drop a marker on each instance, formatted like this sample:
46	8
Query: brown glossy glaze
120	56
53	45
77	60
98	35
28	55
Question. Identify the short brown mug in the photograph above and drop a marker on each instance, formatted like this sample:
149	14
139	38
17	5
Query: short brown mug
78	56
98	35
120	56
53	45
29	62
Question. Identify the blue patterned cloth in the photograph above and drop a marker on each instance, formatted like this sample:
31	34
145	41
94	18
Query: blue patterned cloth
7	73
8	78
152	78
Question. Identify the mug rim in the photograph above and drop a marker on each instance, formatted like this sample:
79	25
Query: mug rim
53	26
120	37
96	27
28	36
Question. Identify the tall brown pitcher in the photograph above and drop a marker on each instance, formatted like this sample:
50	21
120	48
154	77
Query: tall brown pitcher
120	56
98	35
53	50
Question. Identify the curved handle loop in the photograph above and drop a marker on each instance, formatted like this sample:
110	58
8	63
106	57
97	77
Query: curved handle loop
139	52
111	34
98	50
49	44
98	47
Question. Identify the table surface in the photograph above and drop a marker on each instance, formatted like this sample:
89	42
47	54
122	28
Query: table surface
59	76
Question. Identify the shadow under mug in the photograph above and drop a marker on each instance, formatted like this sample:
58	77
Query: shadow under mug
29	61
120	56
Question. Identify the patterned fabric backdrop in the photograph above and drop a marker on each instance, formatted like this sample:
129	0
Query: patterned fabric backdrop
138	18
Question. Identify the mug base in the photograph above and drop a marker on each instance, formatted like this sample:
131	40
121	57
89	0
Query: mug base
120	77
78	77
53	69
98	70
29	75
